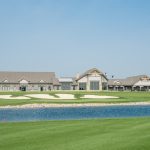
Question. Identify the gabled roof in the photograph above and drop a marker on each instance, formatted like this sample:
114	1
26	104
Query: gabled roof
68	79
65	79
74	82
88	72
130	81
32	77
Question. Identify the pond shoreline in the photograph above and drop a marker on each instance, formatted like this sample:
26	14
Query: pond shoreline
43	105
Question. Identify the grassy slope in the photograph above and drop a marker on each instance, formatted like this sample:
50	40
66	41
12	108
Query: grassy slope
124	97
105	134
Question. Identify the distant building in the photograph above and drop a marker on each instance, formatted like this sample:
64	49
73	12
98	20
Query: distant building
28	81
92	79
134	83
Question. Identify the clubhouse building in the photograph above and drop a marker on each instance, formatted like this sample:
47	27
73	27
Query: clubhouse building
91	80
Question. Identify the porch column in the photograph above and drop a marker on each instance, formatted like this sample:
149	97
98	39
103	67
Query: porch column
140	88
147	88
107	87
114	88
88	84
123	88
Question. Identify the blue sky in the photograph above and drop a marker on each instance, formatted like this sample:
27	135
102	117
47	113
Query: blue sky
71	36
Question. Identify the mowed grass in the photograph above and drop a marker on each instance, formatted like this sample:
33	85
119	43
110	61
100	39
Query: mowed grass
102	134
123	97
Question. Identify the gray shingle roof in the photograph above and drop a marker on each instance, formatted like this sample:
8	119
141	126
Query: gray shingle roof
56	81
130	81
68	79
74	82
32	77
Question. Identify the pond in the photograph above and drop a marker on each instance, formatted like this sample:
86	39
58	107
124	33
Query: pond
37	114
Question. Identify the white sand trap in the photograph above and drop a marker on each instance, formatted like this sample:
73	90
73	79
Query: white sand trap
10	97
59	96
98	97
65	96
47	96
42	96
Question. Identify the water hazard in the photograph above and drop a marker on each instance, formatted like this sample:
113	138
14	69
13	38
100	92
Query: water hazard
36	114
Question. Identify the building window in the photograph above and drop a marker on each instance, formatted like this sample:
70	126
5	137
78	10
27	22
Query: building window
94	85
104	86
5	88
66	86
82	86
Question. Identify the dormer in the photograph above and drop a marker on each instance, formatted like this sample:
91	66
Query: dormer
23	81
5	81
42	81
117	82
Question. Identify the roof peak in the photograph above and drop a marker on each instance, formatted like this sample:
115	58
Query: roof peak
90	71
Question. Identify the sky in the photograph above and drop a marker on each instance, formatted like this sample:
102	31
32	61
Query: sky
71	36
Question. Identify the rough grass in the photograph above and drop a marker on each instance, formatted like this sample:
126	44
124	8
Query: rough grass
102	134
123	97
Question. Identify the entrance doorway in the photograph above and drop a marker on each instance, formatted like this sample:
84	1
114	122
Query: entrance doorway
23	88
41	89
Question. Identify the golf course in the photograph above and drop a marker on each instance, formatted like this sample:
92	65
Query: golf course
122	97
87	134
105	134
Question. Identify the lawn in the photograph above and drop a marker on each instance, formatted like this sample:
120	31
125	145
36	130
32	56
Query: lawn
96	134
123	97
101	134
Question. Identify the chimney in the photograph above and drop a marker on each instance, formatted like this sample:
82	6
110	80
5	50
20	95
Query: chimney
77	76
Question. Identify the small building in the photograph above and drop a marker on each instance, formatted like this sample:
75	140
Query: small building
134	83
66	83
92	79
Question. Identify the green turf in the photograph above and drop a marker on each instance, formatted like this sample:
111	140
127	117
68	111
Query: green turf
123	97
102	134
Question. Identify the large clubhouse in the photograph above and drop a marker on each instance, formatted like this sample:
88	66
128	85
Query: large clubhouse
91	80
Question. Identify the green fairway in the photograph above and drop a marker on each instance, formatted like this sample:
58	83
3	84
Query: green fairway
123	97
102	134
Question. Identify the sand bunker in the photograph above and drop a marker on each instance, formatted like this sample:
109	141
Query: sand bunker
65	96
47	96
10	97
57	97
98	97
41	96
